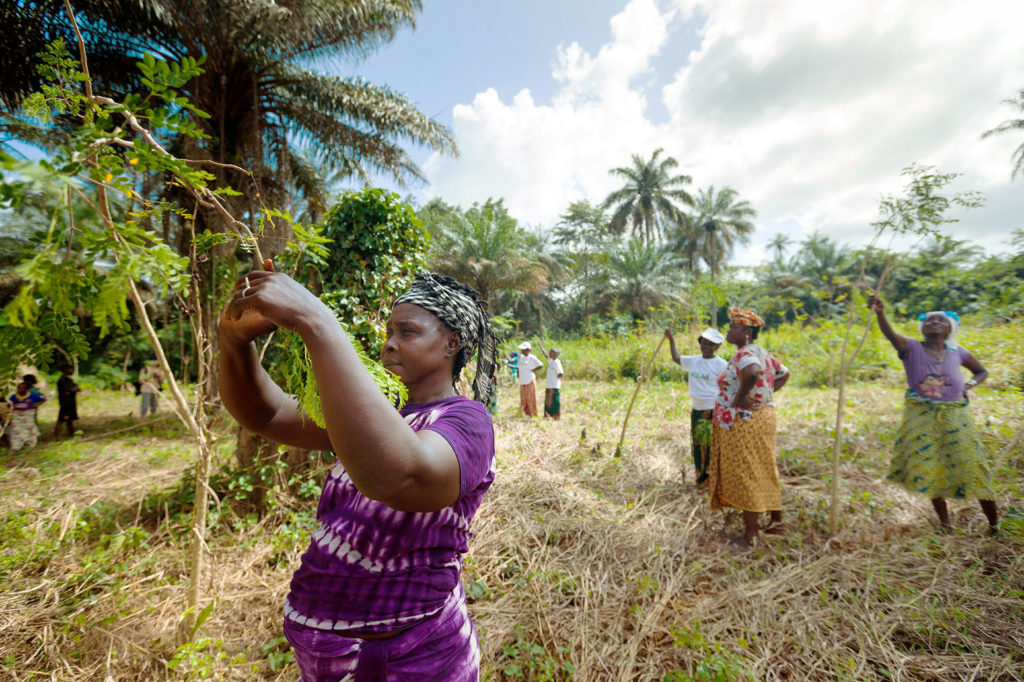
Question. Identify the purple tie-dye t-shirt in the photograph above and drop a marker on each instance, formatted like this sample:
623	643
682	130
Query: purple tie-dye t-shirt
370	568
941	381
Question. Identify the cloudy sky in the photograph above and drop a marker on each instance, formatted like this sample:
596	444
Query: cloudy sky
809	109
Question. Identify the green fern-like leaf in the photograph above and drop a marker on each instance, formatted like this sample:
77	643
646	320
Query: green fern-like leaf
300	382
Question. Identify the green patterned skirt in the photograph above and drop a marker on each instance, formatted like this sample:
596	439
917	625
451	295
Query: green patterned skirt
938	451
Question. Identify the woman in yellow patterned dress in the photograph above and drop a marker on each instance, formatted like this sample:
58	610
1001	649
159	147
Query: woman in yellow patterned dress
938	450
742	472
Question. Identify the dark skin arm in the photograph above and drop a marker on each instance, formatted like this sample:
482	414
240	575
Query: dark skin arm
748	378
386	460
672	346
781	381
977	370
898	342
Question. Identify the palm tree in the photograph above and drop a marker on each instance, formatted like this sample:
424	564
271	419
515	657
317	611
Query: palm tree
828	265
781	243
650	200
483	246
1012	124
639	275
719	220
584	233
263	101
725	220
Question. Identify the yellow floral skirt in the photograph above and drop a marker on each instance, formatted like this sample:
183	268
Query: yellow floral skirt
938	451
743	473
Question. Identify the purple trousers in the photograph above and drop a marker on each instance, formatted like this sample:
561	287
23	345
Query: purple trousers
442	648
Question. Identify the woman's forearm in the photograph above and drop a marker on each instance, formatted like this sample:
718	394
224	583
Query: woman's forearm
672	346
246	390
897	341
372	441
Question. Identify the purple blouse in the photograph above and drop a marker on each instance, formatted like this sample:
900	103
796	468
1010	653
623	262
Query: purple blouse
942	381
370	568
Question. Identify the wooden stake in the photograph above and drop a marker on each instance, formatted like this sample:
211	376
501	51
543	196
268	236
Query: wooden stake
639	383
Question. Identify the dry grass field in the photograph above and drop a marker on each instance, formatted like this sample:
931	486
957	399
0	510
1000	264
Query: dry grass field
583	566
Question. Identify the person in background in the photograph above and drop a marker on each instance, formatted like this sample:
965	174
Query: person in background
31	381
23	430
67	398
378	594
938	451
150	380
492	406
552	384
5	421
513	366
527	383
702	383
743	473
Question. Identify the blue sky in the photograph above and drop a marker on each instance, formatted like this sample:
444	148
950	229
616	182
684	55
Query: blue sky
460	48
809	109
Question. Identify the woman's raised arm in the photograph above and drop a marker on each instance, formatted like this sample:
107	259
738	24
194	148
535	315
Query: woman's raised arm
898	342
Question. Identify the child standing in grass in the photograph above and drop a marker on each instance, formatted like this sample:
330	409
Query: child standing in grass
704	370
23	429
67	397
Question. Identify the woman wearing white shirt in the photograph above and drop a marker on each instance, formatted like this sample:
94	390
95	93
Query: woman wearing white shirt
527	385
704	370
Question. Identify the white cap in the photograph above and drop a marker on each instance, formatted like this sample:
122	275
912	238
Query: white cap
712	335
525	345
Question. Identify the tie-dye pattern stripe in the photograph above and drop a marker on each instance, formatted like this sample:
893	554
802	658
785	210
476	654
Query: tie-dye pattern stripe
441	649
370	568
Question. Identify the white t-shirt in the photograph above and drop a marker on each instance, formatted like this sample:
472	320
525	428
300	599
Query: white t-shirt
554	369
703	381
528	363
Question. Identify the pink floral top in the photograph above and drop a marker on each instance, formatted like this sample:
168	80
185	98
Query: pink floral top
729	383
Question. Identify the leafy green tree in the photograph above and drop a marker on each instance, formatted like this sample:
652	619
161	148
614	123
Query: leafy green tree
920	210
539	304
378	244
651	200
374	246
584	233
1011	125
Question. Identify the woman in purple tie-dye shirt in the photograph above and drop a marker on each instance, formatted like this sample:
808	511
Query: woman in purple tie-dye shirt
378	595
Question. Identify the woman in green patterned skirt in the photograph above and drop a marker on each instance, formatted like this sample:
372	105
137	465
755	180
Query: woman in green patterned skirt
938	450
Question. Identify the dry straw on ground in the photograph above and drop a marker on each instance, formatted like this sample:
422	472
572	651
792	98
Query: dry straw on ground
616	567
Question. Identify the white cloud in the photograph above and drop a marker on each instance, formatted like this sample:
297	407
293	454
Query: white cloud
808	109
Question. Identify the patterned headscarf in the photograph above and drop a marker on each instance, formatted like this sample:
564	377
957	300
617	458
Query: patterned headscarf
951	317
462	311
748	318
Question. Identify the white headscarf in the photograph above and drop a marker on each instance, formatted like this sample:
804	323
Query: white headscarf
951	317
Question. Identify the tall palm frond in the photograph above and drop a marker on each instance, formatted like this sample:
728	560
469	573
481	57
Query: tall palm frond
639	275
651	199
263	97
483	246
1016	124
720	220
